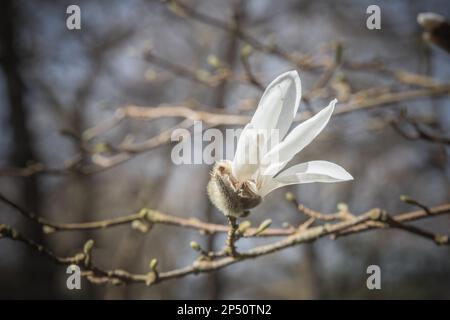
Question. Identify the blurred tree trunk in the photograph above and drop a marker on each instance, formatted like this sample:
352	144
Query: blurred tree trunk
312	284
34	270
309	269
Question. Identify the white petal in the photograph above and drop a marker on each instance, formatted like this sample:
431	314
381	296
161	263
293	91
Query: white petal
313	171
319	171
268	185
279	104
275	165
248	154
299	138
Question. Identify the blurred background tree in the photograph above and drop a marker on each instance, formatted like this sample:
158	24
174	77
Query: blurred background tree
217	56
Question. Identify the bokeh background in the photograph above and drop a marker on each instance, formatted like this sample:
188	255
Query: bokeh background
56	83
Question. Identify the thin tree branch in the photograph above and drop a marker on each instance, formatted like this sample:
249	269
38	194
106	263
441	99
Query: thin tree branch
211	261
211	119
144	215
202	265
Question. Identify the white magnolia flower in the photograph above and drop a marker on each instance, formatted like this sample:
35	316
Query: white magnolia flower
264	148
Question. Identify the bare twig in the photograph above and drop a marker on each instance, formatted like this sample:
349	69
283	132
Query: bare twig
215	261
438	239
97	275
183	10
145	215
231	236
420	133
248	70
211	119
401	218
